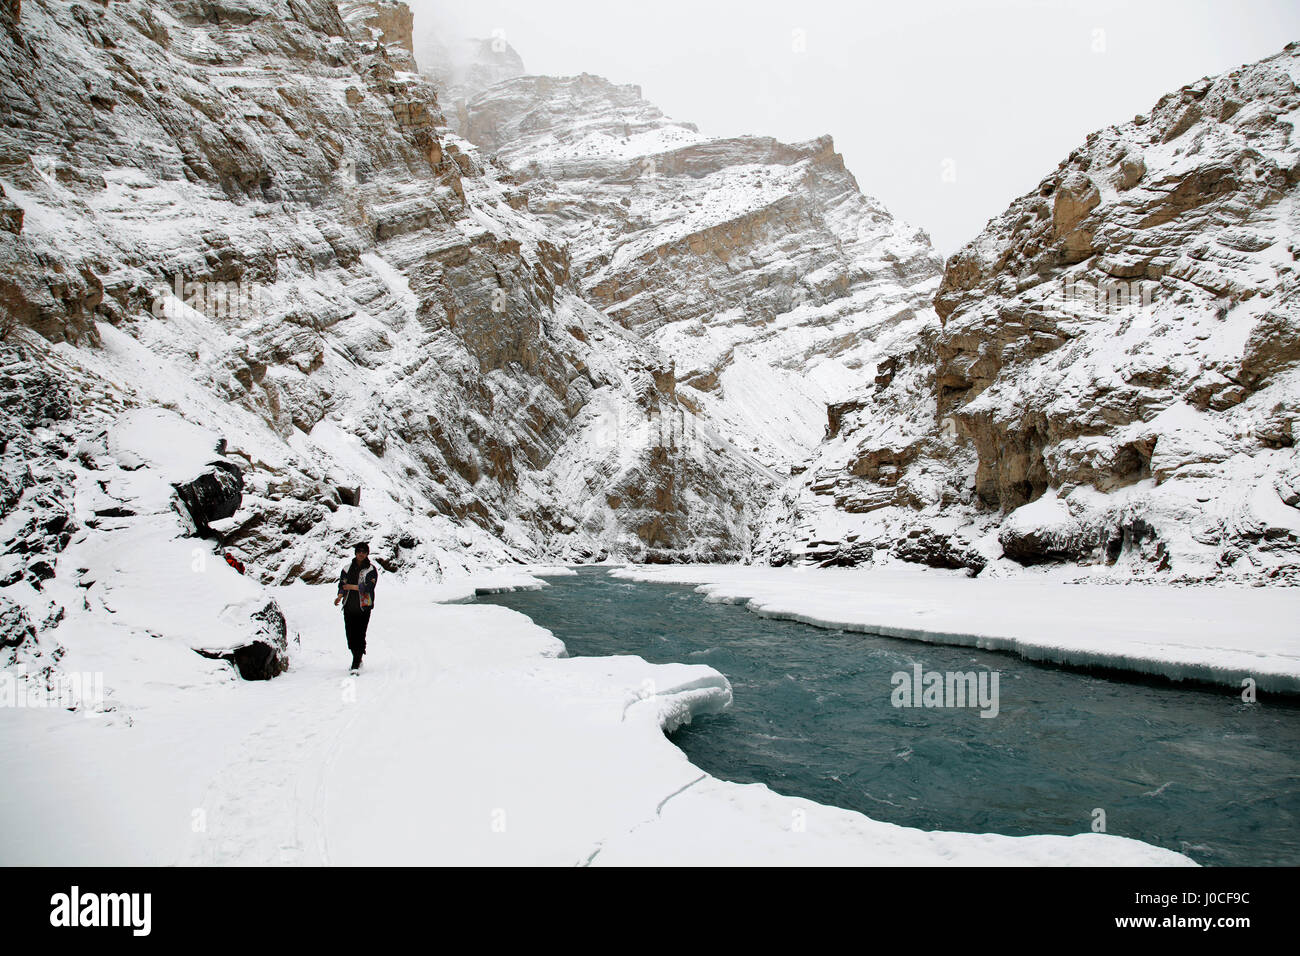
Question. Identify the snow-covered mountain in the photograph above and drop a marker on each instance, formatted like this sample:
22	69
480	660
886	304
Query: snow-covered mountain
266	224
1112	377
757	267
261	297
267	228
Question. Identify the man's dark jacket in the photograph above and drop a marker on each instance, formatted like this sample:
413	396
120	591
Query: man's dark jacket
365	579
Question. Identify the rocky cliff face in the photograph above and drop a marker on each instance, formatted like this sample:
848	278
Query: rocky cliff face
252	213
385	21
757	267
1112	380
585	329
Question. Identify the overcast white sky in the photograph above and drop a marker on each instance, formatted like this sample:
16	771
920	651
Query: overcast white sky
996	92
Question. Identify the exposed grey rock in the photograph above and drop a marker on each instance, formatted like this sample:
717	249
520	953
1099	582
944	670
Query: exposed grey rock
35	497
15	626
213	495
1123	337
938	550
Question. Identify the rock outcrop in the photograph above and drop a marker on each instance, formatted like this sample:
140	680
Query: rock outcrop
213	495
15	626
36	438
387	22
1113	377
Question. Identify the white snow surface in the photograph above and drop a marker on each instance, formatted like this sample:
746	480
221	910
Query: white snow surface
468	738
1219	635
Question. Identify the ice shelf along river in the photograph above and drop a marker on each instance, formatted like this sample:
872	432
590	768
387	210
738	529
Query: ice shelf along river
1192	769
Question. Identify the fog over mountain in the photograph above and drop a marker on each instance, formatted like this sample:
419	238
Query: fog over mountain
943	154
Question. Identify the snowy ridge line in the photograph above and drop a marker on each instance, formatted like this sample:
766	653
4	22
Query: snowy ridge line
1248	633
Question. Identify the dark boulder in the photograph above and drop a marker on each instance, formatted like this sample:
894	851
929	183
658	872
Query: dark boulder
213	495
257	660
849	554
267	654
663	556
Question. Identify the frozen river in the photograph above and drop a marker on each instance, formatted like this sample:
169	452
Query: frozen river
1193	770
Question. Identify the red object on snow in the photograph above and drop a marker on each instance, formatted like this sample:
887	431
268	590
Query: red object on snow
234	562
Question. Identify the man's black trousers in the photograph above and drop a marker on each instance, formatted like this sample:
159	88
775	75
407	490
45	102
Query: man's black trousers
355	622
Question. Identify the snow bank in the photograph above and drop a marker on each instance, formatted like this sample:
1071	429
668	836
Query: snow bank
138	597
548	571
1045	513
714	823
1219	635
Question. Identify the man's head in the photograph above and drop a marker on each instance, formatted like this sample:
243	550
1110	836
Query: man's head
361	551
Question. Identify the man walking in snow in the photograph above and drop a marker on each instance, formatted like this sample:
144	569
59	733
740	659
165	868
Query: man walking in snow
357	594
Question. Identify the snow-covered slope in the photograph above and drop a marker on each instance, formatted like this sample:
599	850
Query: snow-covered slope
1113	378
758	267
